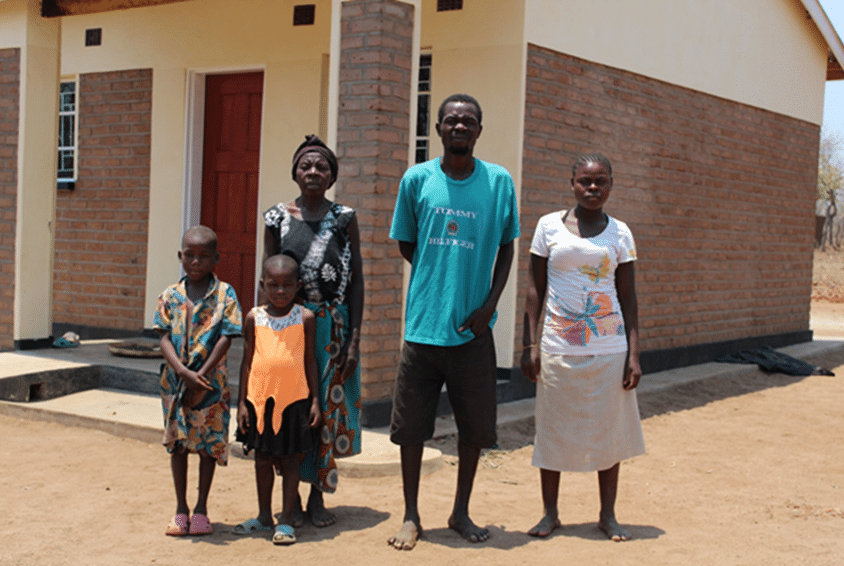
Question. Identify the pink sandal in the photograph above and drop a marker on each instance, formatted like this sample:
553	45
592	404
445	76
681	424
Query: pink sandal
178	526
200	525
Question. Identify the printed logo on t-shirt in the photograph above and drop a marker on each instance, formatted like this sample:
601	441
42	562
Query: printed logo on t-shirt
455	212
452	227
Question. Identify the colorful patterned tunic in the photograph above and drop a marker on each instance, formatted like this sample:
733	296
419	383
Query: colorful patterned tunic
324	253
205	424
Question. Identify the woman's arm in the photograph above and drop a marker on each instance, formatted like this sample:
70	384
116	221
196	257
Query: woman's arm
270	249
625	285
537	287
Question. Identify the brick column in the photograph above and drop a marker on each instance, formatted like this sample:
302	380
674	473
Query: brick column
9	109
372	146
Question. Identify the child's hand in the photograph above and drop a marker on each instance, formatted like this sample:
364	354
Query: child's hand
315	415
195	381
242	417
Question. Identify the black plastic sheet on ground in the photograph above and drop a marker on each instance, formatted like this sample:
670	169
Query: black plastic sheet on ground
770	360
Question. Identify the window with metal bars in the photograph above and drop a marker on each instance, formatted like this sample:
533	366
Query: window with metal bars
423	108
67	134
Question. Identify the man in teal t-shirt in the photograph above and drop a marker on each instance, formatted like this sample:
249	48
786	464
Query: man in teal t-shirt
455	221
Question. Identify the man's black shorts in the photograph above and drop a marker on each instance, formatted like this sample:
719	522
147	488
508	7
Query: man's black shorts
469	373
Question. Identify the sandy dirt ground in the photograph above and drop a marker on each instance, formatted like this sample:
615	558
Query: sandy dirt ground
737	472
748	472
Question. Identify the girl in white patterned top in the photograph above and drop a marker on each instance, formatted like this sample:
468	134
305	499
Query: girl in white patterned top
586	363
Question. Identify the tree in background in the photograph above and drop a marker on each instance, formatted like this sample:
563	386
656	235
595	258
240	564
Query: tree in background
830	183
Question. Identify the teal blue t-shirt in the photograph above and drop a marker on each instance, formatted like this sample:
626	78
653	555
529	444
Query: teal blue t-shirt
458	227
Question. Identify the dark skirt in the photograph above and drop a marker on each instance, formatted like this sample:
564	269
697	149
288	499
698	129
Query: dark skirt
294	437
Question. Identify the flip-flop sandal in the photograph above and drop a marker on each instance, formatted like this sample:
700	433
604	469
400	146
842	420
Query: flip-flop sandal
200	525
178	526
284	534
250	526
67	340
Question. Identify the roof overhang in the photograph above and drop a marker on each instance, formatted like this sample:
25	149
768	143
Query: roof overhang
835	59
54	8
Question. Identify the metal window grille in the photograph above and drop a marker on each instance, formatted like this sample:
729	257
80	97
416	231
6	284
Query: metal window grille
67	131
423	108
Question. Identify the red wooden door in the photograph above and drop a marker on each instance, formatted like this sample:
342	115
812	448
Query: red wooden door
230	175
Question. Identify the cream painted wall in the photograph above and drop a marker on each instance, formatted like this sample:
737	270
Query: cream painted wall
38	40
190	39
765	53
12	23
473	51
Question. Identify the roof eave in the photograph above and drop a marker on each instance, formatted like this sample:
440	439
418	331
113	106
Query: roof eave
833	41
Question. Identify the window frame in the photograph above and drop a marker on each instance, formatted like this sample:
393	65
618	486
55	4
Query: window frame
68	182
423	92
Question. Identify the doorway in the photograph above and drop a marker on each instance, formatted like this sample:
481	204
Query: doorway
230	169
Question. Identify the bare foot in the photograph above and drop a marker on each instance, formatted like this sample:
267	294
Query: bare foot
320	516
614	531
545	526
407	536
298	516
467	529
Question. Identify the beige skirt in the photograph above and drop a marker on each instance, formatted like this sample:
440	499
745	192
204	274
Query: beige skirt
585	420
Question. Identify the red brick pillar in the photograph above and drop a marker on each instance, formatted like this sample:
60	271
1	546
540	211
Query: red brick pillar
9	110
372	146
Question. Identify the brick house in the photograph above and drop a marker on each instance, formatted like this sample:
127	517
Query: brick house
176	112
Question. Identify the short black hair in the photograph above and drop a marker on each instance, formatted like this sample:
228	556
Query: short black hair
591	158
459	98
280	262
202	235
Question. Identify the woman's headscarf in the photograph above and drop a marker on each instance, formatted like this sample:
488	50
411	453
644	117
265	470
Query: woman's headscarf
312	143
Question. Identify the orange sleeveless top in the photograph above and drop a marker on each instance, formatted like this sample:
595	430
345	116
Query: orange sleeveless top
278	364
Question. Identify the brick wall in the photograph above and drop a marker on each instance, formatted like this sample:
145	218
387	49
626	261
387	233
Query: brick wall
372	145
101	226
719	195
9	108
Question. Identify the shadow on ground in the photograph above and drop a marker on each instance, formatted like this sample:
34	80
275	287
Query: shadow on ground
515	435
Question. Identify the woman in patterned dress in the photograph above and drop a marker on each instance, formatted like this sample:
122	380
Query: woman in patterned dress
324	238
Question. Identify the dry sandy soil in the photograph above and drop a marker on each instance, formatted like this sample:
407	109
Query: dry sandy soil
743	472
740	473
828	276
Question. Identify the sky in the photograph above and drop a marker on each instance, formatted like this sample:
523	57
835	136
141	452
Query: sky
833	107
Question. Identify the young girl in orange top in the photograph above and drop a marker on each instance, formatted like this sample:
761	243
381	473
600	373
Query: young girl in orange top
278	404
